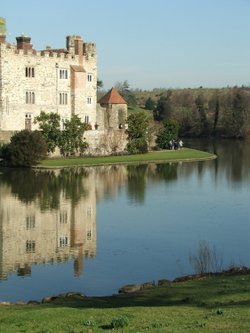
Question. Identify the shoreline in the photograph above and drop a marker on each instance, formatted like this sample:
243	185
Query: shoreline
164	156
133	289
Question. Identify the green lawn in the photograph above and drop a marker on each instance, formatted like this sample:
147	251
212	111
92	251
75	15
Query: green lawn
213	304
185	154
132	109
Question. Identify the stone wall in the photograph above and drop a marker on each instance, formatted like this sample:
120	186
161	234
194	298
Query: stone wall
34	81
105	142
112	116
69	231
5	136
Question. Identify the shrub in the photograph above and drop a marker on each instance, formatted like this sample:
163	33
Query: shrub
168	133
119	322
25	149
137	146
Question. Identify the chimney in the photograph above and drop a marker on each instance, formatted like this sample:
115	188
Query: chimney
23	43
2	38
75	47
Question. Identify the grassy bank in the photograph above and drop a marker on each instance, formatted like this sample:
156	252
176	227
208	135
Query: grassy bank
185	154
211	304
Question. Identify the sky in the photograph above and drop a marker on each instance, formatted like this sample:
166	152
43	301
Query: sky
149	43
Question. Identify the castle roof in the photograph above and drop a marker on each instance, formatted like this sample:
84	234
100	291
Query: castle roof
112	97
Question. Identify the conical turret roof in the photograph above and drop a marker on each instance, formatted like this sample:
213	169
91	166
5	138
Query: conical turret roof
112	97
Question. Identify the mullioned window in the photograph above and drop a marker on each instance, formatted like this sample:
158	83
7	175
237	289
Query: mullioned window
29	71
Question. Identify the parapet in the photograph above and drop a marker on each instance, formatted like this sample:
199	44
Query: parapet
89	49
75	48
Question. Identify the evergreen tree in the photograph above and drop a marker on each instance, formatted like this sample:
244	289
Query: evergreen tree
137	133
168	133
149	104
163	108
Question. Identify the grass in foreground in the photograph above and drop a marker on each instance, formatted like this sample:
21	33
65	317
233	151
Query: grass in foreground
212	304
185	154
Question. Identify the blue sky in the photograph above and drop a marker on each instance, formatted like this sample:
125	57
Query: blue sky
150	43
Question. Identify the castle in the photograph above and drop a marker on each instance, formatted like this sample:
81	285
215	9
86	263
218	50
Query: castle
63	81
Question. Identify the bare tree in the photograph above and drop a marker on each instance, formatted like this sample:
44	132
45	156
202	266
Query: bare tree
206	260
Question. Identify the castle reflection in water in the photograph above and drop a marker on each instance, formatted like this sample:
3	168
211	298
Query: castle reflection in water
34	231
48	217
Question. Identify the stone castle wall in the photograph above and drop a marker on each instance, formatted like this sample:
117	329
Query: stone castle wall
43	236
59	82
63	81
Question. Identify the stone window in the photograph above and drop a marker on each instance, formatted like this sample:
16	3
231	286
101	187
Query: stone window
63	121
28	121
63	73
30	246
63	241
30	222
89	100
29	71
90	77
63	98
89	212
89	235
30	97
86	119
63	217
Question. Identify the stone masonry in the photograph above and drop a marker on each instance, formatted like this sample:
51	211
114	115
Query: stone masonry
63	81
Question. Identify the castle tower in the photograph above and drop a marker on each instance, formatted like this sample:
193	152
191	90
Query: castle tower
115	110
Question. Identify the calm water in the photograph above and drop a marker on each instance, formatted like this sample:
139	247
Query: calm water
93	230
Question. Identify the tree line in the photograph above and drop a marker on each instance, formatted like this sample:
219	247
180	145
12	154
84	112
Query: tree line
200	112
217	113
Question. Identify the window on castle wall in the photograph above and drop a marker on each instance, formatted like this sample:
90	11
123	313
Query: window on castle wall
63	74
86	119
90	77
30	246
89	235
63	217
30	222
63	241
63	98
30	72
30	97
63	123
89	100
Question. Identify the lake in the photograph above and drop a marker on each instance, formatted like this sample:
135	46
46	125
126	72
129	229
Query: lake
96	229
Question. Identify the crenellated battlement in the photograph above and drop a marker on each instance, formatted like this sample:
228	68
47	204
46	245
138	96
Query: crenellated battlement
89	48
71	52
61	80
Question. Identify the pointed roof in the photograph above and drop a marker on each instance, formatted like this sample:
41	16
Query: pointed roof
112	97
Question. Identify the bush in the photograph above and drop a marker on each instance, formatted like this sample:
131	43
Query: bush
137	146
119	322
25	149
168	133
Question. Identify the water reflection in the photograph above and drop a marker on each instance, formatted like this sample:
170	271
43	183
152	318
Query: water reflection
233	162
46	217
150	215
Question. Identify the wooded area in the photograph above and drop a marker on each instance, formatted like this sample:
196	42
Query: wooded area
200	112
